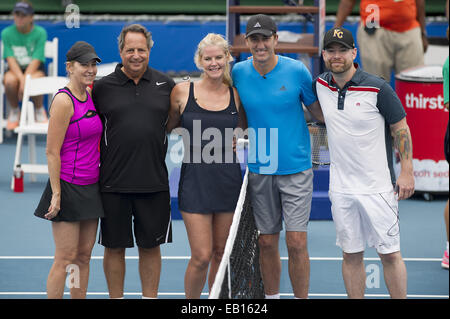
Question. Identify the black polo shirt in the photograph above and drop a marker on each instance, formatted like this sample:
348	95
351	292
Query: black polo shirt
134	145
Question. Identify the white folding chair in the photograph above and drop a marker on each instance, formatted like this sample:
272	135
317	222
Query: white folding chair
51	52
28	126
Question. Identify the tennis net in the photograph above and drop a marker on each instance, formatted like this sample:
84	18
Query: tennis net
239	275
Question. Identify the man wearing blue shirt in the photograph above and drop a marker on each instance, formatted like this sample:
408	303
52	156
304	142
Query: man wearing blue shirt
272	89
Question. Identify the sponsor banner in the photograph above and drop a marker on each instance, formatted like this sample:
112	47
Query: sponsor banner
429	176
421	92
426	116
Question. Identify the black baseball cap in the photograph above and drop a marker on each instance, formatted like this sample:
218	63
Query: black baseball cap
339	35
82	52
23	7
261	24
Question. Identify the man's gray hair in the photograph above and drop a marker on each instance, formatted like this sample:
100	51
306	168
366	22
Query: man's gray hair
137	28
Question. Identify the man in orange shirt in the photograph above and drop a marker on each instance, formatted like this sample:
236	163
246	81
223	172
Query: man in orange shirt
391	34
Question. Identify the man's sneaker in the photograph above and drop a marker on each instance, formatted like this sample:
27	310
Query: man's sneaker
13	119
444	262
40	115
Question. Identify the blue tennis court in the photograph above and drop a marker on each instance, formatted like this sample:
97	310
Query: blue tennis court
27	249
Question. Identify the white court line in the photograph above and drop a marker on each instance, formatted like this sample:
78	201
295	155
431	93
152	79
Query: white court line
181	294
188	257
94	257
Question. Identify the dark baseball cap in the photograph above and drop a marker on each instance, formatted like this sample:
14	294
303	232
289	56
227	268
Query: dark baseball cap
23	7
82	52
339	35
261	24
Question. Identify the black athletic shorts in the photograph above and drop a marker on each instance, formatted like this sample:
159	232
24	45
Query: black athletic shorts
147	214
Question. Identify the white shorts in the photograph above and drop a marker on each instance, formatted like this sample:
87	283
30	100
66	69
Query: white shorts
366	218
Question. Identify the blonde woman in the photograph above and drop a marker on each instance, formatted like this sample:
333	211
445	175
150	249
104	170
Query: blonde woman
211	177
71	199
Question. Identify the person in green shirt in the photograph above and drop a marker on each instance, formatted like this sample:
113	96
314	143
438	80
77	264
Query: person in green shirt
24	45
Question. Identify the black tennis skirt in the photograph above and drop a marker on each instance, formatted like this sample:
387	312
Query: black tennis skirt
78	202
209	188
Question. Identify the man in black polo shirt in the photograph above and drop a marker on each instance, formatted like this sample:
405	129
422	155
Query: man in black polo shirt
133	103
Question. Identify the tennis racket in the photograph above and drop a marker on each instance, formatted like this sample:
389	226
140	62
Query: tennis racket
320	153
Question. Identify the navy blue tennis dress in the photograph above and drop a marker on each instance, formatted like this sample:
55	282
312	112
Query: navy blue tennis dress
211	177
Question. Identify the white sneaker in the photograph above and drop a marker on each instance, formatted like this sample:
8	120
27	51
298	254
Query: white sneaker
40	115
13	119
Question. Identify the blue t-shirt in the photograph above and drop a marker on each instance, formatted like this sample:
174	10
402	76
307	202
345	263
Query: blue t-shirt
279	142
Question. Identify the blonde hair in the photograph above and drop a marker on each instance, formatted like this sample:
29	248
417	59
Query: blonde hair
214	39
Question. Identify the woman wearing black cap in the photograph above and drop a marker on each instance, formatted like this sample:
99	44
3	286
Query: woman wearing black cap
71	199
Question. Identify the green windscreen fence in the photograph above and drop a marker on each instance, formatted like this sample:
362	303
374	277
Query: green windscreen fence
433	7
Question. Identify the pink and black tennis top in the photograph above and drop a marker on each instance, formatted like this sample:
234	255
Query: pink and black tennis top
80	154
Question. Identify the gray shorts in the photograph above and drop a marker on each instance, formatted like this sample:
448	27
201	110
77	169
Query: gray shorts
275	197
